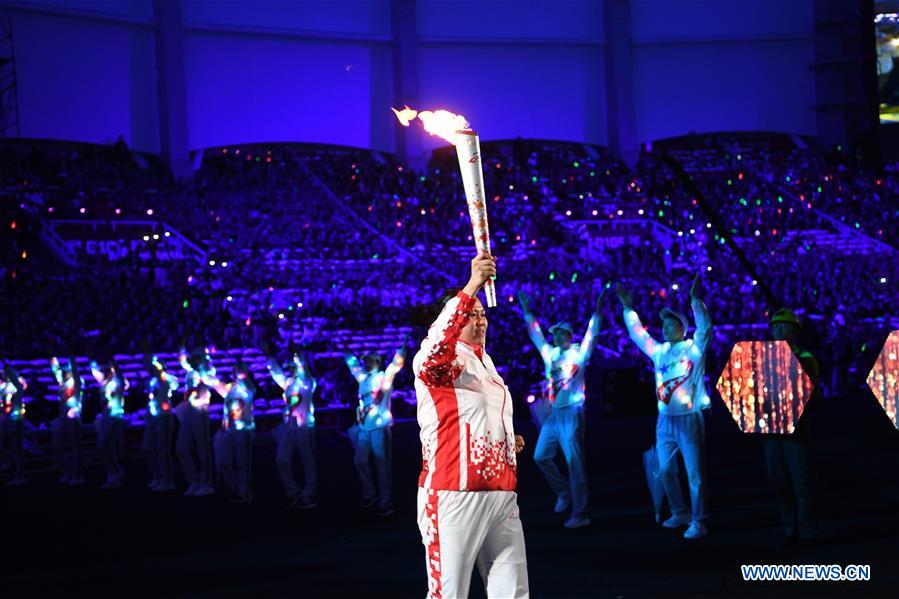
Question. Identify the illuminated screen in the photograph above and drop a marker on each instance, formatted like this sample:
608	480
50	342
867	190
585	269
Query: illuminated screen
884	377
886	30
764	387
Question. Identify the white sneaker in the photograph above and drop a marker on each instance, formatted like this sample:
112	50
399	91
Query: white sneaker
19	480
164	488
153	484
191	489
562	504
676	521
697	530
578	522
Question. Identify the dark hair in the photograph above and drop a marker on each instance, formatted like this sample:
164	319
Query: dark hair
448	294
423	315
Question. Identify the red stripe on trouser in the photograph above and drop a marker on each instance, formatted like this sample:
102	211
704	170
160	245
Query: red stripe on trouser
447	453
435	570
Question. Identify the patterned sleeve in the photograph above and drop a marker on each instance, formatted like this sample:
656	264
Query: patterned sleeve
277	374
184	361
399	359
172	382
639	334
536	335
438	369
96	372
57	371
590	337
352	362
703	325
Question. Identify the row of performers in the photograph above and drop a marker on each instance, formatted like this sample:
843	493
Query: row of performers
681	395
194	447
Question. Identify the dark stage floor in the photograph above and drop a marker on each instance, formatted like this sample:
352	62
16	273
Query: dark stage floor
135	543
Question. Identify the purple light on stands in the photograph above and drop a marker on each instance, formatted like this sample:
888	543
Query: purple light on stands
149	212
83	210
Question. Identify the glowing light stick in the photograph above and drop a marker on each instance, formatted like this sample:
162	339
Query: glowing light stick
456	130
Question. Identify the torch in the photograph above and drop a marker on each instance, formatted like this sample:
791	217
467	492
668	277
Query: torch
456	130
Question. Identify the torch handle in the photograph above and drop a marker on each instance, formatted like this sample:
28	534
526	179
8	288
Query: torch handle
468	150
490	292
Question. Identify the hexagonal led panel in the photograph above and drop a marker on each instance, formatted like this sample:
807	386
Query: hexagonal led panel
884	377
764	387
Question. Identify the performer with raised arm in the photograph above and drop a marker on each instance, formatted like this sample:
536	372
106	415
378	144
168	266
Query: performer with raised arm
193	416
235	457
159	426
67	429
12	420
680	390
467	506
372	429
299	429
565	391
109	424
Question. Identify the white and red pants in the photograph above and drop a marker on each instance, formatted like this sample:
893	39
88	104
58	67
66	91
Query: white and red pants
461	529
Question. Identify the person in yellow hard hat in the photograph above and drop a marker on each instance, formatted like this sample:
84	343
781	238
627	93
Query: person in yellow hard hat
787	456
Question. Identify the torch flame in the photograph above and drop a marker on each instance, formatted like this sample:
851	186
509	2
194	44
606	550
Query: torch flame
405	116
440	123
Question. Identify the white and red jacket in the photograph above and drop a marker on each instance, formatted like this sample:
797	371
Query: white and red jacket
464	410
680	367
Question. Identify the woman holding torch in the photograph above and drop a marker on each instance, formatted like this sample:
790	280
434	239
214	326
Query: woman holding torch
467	505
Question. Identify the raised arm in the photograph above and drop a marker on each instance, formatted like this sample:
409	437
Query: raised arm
15	379
304	372
355	367
171	381
701	317
96	372
635	328
439	347
593	327
56	370
399	359
435	363
184	360
277	374
534	330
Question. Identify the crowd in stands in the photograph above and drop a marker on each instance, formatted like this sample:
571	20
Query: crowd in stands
305	244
